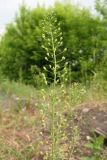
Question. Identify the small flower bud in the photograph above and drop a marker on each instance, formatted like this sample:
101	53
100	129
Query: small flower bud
65	49
46	58
59	29
50	66
47	54
43	35
63	58
44	68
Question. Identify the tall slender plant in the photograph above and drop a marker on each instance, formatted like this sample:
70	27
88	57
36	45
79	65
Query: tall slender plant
54	64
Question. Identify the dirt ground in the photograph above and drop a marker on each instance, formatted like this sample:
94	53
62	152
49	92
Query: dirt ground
85	121
91	119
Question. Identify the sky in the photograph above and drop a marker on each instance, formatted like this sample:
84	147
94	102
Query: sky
9	8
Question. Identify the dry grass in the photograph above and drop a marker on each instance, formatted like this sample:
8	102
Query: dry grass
25	120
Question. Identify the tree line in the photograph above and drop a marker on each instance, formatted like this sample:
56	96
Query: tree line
84	35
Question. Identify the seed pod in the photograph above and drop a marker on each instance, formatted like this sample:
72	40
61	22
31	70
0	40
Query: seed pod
44	68
63	58
65	49
46	58
47	54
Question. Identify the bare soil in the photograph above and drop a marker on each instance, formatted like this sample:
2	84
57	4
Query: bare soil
91	119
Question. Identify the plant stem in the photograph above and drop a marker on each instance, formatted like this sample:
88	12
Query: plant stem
53	105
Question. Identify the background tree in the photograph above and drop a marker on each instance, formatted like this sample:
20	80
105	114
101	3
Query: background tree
101	7
84	36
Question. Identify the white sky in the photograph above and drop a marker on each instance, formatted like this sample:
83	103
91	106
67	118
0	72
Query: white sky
8	8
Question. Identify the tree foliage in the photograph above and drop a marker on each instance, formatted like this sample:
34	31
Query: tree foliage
83	34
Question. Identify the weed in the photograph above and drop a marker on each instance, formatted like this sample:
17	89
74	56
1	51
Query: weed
52	44
96	145
74	139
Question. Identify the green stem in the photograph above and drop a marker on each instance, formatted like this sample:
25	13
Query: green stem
53	105
54	58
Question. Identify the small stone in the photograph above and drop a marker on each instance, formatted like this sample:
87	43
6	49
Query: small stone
85	110
94	117
88	137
